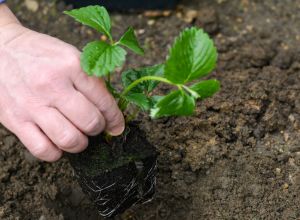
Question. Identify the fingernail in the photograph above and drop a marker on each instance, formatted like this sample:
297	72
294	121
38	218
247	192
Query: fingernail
116	131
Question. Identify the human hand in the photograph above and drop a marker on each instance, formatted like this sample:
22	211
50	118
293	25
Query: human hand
46	99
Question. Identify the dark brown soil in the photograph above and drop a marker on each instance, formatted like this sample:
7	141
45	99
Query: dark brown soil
118	172
237	158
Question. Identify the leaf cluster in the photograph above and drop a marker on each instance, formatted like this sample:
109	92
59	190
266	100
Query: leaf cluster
191	57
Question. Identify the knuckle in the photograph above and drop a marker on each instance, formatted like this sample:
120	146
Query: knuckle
73	50
92	84
54	158
116	117
96	125
72	60
81	146
42	152
73	143
106	103
67	140
52	82
43	80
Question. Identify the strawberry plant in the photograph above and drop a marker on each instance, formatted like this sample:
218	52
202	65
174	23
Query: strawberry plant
121	171
191	57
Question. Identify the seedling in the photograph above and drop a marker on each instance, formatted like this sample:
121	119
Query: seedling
116	179
192	56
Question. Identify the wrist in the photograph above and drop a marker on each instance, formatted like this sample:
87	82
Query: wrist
6	16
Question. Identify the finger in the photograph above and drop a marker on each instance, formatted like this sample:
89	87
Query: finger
81	112
60	131
95	90
37	143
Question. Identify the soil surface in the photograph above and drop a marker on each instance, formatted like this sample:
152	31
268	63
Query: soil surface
238	157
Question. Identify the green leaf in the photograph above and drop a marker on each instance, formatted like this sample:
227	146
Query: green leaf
192	56
130	76
177	103
130	40
140	100
99	58
96	17
206	88
155	99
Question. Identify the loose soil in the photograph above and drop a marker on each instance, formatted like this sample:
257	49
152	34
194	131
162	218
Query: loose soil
238	157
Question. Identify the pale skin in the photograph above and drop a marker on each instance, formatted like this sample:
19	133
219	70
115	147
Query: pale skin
46	99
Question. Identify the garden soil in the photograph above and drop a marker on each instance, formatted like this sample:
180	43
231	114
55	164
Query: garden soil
238	157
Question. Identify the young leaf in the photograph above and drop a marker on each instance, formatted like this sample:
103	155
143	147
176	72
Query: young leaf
192	56
140	100
206	88
177	103
99	58
96	17
130	76
129	40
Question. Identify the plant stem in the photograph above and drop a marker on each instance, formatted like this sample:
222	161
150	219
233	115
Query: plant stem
111	40
146	78
108	78
192	92
122	103
133	115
